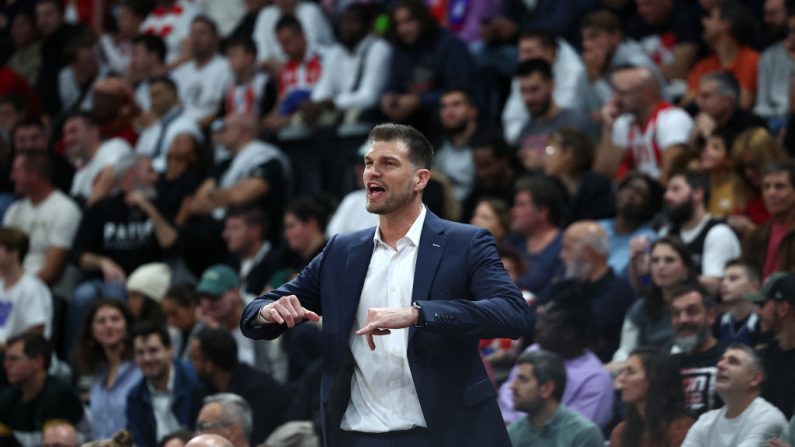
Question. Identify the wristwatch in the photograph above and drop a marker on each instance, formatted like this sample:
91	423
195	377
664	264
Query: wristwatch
420	318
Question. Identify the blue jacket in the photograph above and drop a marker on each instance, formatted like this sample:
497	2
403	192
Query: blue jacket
465	295
187	403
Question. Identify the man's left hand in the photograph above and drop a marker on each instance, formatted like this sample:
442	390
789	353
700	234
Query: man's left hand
381	319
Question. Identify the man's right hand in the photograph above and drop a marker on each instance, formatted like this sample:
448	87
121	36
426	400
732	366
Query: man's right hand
111	271
287	310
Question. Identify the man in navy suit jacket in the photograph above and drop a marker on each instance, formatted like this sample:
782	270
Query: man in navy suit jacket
419	292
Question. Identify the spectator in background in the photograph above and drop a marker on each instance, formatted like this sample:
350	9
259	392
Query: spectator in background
495	173
34	398
453	157
318	32
27	56
638	199
114	108
746	419
770	244
209	441
305	222
26	301
227	415
426	61
95	179
651	389
171	20
253	91
245	26
567	157
147	61
29	134
48	216
213	354
115	48
727	31
146	286
105	353
203	79
170	120
351	214
715	161
640	130
718	101
774	21
493	215
181	307
253	257
167	398
536	217
536	84
60	434
225	14
568	72
740	322
537	391
77	79
774	86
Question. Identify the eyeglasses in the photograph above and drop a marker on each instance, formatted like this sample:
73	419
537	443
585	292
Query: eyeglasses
203	426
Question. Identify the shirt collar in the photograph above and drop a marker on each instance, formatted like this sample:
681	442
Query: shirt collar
169	387
552	423
413	235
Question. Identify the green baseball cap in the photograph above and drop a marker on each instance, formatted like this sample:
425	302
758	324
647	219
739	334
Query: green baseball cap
217	279
763	293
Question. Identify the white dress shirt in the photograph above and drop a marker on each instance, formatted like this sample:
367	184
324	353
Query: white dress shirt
383	396
165	421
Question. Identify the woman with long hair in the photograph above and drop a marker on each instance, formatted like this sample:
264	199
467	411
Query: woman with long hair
651	389
493	215
648	321
104	352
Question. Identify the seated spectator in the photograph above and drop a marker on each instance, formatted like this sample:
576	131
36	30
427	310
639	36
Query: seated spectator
536	85
640	130
753	150
426	61
648	321
115	48
458	115
718	101
777	311
26	58
769	245
495	172
166	399
77	79
257	173
60	434
568	71
147	61
204	78
774	87
34	398
351	214
584	252
146	287
715	161
727	31
252	91
605	50
693	314
563	329
116	236
26	302
711	242
181	307
747	418
638	199
113	106
95	179
104	352
651	389
535	218
171	20
270	53
567	157
740	323
221	306
254	258
537	391
48	216
214	355
209	441
227	415
355	71
774	21
226	15
493	215
29	134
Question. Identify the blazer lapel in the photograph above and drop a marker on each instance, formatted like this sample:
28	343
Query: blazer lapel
429	254
356	270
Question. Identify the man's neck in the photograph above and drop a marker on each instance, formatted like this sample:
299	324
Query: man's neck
699	214
708	344
552	111
786	335
251	250
741	310
40	193
161	383
643	115
204	59
599	271
462	138
736	404
317	241
623	225
92	150
11	275
541	237
232	320
726	49
245	76
787	217
238	148
221	380
570	181
543	415
33	386
395	225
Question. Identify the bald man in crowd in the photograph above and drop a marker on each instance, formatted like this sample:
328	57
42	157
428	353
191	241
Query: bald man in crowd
585	250
209	441
60	434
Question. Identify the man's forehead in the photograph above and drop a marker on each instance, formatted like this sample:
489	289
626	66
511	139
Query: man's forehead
386	149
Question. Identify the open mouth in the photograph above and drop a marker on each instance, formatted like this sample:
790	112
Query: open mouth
375	191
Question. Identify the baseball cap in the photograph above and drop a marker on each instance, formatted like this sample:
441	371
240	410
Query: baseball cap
783	289
217	279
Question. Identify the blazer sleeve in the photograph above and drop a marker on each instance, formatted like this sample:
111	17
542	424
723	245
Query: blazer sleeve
305	286
497	310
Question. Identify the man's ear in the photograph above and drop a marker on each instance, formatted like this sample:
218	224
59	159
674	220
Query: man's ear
546	389
422	178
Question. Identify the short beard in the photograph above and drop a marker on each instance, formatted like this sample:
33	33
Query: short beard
689	343
679	214
457	129
578	270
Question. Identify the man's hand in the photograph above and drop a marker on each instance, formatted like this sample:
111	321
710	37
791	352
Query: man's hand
705	124
111	271
287	310
381	319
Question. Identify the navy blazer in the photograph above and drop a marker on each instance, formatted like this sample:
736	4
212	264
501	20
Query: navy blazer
465	295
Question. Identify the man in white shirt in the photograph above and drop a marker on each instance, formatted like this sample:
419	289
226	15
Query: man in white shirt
203	80
147	61
746	420
458	115
96	177
171	21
